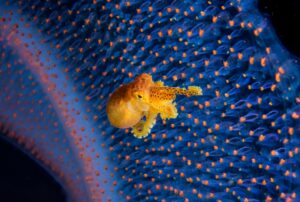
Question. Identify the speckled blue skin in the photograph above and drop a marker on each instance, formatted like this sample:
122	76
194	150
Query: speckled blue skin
237	142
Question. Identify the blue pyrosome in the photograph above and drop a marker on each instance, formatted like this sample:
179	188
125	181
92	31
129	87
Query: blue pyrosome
239	141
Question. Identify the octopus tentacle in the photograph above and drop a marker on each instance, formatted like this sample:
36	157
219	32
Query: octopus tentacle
168	111
169	93
143	127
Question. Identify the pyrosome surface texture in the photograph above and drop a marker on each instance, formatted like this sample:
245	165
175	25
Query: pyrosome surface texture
239	141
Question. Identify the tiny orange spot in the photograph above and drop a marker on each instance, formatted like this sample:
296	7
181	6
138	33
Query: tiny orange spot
240	56
263	62
201	32
214	19
160	34
295	115
251	60
242	119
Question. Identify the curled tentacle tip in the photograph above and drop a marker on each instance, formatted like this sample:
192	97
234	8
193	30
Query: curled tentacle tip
195	90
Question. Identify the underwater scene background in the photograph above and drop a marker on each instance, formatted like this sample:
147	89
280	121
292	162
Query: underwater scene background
61	60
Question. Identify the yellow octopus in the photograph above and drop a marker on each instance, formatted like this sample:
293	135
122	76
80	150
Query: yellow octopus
138	103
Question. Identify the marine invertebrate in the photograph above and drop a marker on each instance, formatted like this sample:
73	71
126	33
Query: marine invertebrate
239	141
41	112
130	103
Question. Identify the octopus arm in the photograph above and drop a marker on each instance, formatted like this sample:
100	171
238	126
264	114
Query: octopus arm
169	93
143	127
168	111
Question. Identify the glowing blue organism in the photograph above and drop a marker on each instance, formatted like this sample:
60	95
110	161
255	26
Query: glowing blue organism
239	141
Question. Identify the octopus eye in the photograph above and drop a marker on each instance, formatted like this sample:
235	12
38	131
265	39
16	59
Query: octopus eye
138	95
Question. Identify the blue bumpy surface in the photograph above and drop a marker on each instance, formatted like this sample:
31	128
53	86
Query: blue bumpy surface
237	142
